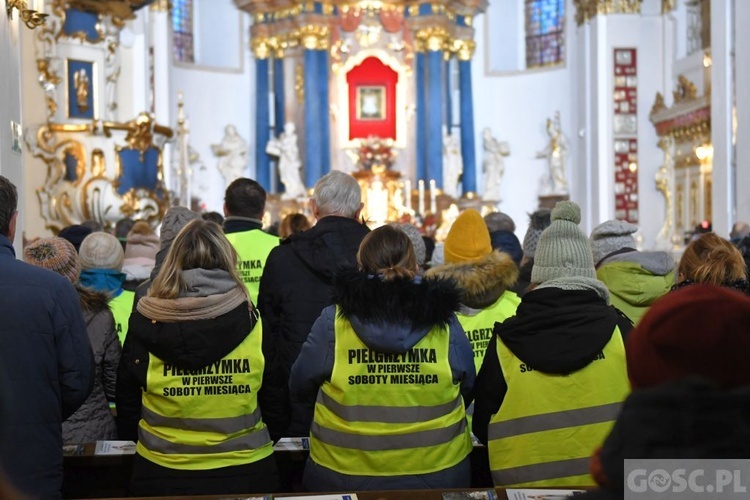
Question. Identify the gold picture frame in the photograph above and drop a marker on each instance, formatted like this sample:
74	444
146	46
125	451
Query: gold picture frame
371	103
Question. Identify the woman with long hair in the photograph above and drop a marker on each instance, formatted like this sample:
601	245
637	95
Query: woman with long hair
194	366
388	367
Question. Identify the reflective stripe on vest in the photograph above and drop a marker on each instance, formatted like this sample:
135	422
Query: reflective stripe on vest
252	249
480	326
206	418
389	414
121	307
549	425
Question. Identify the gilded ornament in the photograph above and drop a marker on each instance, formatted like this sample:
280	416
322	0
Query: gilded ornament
82	85
161	6
260	48
30	17
658	104
667	6
588	9
686	90
299	82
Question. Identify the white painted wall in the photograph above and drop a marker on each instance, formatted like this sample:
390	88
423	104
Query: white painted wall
11	162
516	107
742	89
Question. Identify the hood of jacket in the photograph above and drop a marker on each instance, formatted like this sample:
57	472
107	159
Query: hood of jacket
481	283
689	418
193	344
107	281
91	300
330	246
656	263
633	283
559	331
392	316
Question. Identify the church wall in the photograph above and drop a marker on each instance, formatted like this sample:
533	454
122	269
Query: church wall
11	161
213	99
742	89
515	106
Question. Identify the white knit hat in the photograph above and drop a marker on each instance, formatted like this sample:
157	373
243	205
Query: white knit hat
611	236
101	251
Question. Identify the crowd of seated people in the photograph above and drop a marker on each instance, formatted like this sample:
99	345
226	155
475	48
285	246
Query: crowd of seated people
206	344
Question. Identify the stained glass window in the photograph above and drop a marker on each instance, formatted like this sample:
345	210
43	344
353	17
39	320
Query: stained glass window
545	35
182	30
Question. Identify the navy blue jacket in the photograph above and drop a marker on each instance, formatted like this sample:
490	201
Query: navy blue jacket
47	367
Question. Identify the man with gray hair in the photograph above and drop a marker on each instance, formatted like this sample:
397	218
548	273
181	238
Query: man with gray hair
46	363
296	285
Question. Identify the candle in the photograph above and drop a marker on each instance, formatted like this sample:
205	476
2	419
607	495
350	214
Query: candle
407	194
433	196
421	197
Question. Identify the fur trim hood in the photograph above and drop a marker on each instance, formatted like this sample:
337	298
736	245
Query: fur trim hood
481	283
392	316
92	300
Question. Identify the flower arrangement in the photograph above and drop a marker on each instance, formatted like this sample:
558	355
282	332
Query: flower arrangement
376	151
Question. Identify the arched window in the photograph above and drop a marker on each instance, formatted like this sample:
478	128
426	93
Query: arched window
545	32
182	31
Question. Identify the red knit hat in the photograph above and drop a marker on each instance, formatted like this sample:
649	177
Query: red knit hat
700	330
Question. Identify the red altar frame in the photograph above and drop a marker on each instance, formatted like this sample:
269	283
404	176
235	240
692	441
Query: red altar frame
372	72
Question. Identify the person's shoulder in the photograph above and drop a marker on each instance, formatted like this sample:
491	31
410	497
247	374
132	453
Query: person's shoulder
20	273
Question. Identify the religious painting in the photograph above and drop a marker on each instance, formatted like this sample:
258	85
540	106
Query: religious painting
80	89
371	103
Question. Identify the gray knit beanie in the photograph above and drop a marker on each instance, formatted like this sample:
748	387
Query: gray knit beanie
174	220
538	222
101	251
611	236
563	249
416	240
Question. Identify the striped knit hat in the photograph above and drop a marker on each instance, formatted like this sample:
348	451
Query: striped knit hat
56	254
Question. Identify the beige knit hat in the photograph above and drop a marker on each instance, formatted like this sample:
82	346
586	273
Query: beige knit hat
101	251
563	249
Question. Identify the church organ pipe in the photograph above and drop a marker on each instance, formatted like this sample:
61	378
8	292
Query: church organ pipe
262	123
421	116
435	116
313	137
468	151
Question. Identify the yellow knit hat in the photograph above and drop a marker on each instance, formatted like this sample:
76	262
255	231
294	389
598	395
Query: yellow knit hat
468	240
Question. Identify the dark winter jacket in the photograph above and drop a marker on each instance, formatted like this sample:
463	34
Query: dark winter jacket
554	331
390	317
189	344
94	421
689	418
296	285
48	368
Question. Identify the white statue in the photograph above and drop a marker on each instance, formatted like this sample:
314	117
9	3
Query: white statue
555	182
493	165
232	153
285	147
453	165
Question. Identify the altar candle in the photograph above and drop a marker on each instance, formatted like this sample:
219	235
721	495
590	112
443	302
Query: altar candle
407	193
421	197
433	196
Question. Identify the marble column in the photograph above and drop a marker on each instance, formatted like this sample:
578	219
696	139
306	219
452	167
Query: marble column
262	124
278	95
313	136
421	116
324	115
434	111
468	151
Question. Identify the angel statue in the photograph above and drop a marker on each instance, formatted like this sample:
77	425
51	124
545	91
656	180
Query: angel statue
555	182
453	165
232	153
285	147
493	165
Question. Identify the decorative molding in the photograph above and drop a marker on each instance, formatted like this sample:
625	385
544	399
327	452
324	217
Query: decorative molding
686	90
668	6
658	104
588	9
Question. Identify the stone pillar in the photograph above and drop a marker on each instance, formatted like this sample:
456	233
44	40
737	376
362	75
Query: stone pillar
468	151
434	113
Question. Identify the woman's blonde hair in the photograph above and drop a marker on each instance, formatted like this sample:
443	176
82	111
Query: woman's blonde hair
200	244
712	260
389	253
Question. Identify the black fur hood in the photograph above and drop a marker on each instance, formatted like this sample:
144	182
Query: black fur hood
92	301
392	316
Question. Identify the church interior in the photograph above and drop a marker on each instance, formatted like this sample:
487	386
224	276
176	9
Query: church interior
632	108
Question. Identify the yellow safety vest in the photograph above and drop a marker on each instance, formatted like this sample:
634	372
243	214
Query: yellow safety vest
480	326
207	418
389	414
252	248
121	307
549	425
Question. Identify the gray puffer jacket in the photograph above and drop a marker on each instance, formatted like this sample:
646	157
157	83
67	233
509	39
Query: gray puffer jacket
94	421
